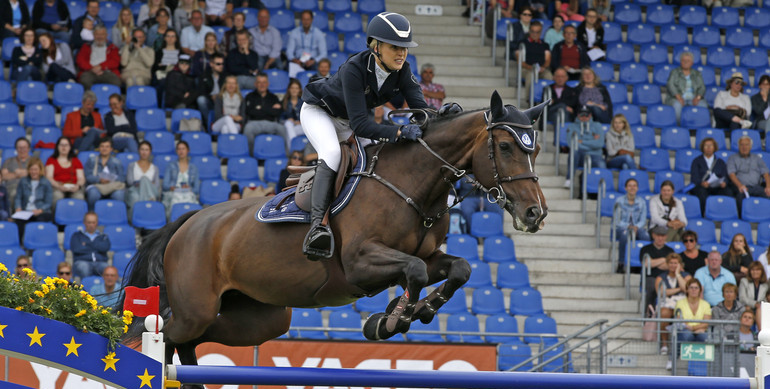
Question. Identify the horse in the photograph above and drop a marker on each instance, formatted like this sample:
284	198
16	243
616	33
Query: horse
229	279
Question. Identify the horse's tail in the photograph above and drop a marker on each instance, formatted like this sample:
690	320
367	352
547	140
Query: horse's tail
146	269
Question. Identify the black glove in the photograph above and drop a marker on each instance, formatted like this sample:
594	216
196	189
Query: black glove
411	132
450	109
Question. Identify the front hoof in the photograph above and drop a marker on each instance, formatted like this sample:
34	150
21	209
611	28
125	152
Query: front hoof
374	328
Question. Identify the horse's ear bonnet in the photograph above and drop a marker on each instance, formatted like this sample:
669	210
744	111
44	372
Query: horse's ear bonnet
509	118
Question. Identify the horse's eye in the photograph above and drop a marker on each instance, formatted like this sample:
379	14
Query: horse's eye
505	147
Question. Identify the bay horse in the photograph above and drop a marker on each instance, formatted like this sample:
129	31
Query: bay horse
229	279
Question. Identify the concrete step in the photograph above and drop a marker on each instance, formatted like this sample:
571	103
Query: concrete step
440	60
572	304
562	253
586	317
461	51
423	32
538	240
476	91
487	71
571	278
587	291
583	266
623	333
445	20
562	229
450	10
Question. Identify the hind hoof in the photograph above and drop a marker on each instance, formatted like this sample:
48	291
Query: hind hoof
374	328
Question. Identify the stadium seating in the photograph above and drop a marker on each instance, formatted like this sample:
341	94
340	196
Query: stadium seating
200	143
273	168
633	73
209	168
502	324
180	209
9	114
720	57
713	133
511	354
269	146
736	135
8	45
539	324
183	113
336	6
278	79
9	234
70	211
31	92
513	275
628	13
660	116
150	119
644	137
111	212
141	97
674	138
122	237
45	260
463	322
232	146
243	168
354	42
732	227
499	249
692	16
419	326
763	233
756	18
6	93
612	32
348	319
691	206
739	37
641	34
371	7
673	35
486	224
69	230
457	303
695	117
725	17
646	94
706	36
37	115
487	301
109	11
121	260
298	143
8	255
162	142
214	192
306	318
374	303
149	215
695	50
654	160
617	91
481	276
752	57
40	235
8	136
103	93
162	161
661	15
665	175
526	301
641	177
594	178
463	246
126	158
707	73
755	210
720	208
631	112
620	53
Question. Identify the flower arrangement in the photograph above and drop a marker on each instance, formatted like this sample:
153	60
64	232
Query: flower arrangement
56	299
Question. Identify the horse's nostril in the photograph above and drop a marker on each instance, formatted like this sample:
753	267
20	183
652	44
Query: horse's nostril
533	213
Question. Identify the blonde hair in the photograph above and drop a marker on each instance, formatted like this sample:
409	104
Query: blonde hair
222	90
626	126
597	80
130	25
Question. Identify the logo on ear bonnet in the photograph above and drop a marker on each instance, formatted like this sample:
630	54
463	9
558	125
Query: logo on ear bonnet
526	140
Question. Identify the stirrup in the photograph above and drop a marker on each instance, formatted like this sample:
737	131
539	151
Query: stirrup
319	243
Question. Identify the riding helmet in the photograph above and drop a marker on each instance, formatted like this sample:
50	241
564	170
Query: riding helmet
390	27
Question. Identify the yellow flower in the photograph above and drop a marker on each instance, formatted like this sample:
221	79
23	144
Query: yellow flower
105	312
125	329
19	308
128	317
3	268
31	301
28	271
81	313
49	281
45	289
15	279
48	311
39	293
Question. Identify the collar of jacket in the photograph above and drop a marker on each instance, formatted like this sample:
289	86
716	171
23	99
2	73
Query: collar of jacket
371	77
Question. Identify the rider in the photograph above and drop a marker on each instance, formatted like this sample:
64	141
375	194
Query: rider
338	106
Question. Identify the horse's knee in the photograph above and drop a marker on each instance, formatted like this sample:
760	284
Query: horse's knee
459	271
417	273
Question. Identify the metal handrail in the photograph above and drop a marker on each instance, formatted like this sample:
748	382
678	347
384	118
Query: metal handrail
560	119
573	144
482	6
535	78
600	193
506	62
630	242
522	54
614	256
556	345
584	191
646	271
496	18
546	96
430	332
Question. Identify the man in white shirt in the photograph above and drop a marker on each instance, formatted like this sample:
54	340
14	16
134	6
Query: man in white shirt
194	35
306	46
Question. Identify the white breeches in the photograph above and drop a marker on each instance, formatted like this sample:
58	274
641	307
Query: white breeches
325	133
226	125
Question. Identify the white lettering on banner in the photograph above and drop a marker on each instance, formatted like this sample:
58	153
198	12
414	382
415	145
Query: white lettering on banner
75	381
47	376
140	302
214	359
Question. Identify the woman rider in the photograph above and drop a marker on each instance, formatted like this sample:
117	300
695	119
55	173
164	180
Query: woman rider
338	106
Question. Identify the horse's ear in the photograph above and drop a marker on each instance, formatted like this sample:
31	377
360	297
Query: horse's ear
534	113
496	106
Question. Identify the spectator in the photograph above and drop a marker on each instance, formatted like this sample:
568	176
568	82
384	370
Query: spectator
84	127
306	46
653	256
563	97
194	35
760	105
87	31
602	8
15	168
521	29
107	293
708	174
5	204
65	172
434	93
668	211
291	105
754	286
685	86
538	55
105	175
183	13
506	12
64	271
727	3
620	144
713	276
763	260
181	182
58	65
121	32
228	108
89	248
92	14
121	125
166	59
324	70
262	109
34	194
569	10
594	95
156	33
235	193
181	90
14	16
729	309
210	83
219	13
590	138
570	54
591	34
22	262
737	258
732	107
746	170
148	13
632	219
52	16
27	58
746	334
202	58
267	42
243	62
675	280
693	257
555	33
256	4
295	159
137	61
142	177
229	41
99	62
694	308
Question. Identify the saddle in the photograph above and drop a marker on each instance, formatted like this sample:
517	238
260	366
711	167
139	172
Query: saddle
301	177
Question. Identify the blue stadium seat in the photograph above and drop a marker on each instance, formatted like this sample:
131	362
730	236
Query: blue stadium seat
736	135
714	247
660	15
756	18
70	211
539	86
661	116
31	92
735	69
278	79
162	142
720	208
641	34
302	5
6	93
654	160
673	35
214	192
355	42
40	235
121	260
691	206
720	56
183	113
692	16
487	301
640	176
45	260
243	168
8	45
371	7
150	215
347	22
141	97
298	143
695	117
464	246
413	64
76	8
707	73
644	136
36	115
111	212
763	233
511	354
304	77
126	158
150	119
676	246
337	58
706	36
8	255
273	167
596	175
618	92
91	281
250	16
109	11
674	138
620	53
754	210
538	324
9	135
180	209
9	234
335	6
612	32
738	37
502	324
282	19
604	71
724	154
302	317
683	160
103	92
219	31
526	301
695	50
725	17
463	322
269	146
457	303
631	112
486	224
765	157
162	161
676	178
209	167
481	275
513	275
714	133
735	226
752	57
633	73
499	249
660	73
419	326
374	303
332	44
502	27
346	318
200	143
232	146
273	5
653	54
627	13
69	230
122	237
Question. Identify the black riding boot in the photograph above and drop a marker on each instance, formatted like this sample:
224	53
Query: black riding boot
319	242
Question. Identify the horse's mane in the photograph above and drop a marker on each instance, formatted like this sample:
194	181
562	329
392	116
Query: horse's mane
431	123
